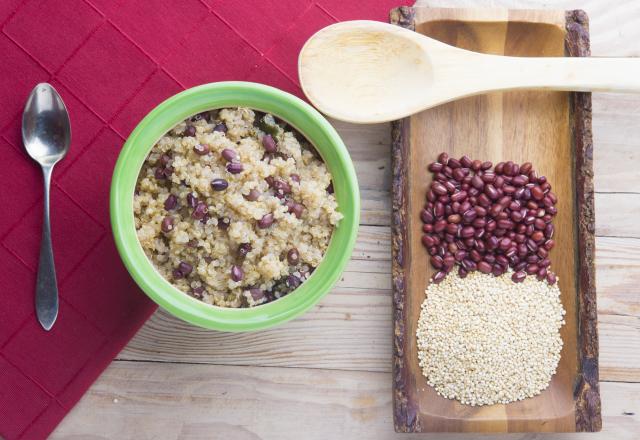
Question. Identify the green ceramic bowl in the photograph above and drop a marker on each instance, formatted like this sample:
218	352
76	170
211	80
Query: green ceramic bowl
303	118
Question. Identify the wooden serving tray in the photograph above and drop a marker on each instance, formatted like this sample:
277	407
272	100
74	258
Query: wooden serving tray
553	131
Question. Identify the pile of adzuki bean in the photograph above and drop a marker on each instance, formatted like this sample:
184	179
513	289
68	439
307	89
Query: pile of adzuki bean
488	220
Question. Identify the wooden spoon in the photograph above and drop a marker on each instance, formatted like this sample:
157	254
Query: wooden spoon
367	71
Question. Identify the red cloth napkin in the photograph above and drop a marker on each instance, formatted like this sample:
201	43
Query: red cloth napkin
112	62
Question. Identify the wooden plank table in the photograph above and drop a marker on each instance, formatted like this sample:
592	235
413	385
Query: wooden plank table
326	375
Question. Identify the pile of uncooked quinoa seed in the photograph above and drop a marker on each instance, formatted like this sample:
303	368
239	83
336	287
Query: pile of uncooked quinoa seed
484	339
486	218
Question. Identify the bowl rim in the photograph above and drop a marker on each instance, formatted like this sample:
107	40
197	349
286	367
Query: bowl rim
304	118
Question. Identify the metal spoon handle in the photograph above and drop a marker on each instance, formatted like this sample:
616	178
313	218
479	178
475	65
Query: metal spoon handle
46	285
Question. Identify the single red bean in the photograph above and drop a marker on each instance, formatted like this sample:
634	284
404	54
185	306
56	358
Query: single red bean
167	224
426	216
539	224
467	232
447	171
435	167
454	218
548	231
266	221
201	149
219	184
439	209
545	262
253	195
537	236
235	167
438	188
484	267
479	223
450	187
491	192
525	168
542	274
459	196
489	258
269	144
436	261
452	228
532	269
427	241
551	278
548	245
518	277
438	277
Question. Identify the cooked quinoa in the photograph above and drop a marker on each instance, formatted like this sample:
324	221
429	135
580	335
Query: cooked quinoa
485	339
234	207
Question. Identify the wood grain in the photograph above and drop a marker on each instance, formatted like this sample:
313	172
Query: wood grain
349	330
142	400
550	129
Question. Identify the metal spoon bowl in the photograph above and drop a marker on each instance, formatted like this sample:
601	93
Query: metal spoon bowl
46	134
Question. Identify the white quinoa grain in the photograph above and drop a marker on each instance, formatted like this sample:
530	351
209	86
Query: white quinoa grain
484	340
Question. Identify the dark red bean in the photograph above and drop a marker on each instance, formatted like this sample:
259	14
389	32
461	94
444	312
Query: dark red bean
539	224
518	277
450	187
265	221
546	262
438	277
219	184
488	177
467	232
439	188
435	167
165	160
201	149
542	274
477	182
256	293
170	202
537	193
237	274
532	269
269	144
462	273
548	231
458	174
505	244
484	267
235	167
189	130
426	216
551	278
427	228
499	168
185	268
454	218
192	200
525	168
427	241
229	155
537	236
293	257
452	228
440	225
459	196
454	163
475	255
443	158
222	128
253	195
491	192
200	211
548	245
167	224
490	258
476	165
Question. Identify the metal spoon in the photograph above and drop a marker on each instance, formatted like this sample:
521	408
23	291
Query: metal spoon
46	134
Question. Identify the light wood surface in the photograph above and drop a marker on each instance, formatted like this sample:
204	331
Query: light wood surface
369	72
327	374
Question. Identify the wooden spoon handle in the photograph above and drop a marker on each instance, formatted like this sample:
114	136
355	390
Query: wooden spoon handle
574	74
